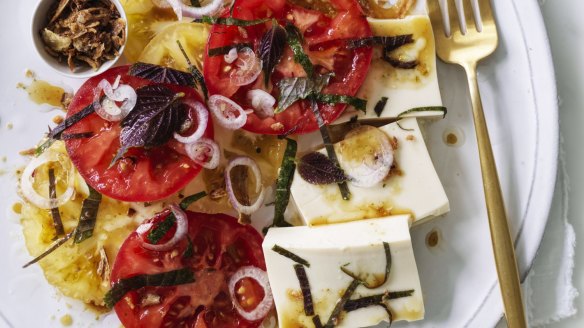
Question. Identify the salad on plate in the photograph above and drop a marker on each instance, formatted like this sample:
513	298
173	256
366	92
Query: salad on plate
253	164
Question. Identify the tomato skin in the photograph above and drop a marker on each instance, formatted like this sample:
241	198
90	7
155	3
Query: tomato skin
325	37
204	303
143	174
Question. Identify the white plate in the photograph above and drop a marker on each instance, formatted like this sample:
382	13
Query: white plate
458	277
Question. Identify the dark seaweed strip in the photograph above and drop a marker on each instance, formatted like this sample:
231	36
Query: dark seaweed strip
334	318
194	72
57	222
330	149
156	234
226	49
190	250
399	63
240	190
88	216
389	43
442	109
170	278
230	21
286	253
358	103
51	249
387	270
80	135
187	201
285	176
380	106
70	121
317	322
367	301
305	288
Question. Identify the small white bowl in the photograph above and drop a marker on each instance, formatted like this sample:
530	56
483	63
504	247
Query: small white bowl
39	21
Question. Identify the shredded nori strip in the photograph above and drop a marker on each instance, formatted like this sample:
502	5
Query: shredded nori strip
195	3
387	270
305	288
378	299
197	75
442	109
226	49
317	322
230	21
286	253
70	121
295	40
380	106
399	63
330	149
358	103
51	249
389	43
283	183
89	210
190	250
80	135
187	201
170	278
158	232
57	222
334	318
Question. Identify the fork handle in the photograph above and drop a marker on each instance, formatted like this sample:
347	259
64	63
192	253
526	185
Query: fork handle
503	247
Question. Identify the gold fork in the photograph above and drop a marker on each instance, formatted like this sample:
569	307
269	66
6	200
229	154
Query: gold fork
465	37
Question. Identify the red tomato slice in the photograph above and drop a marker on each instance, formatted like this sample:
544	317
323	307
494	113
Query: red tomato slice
325	35
143	174
221	246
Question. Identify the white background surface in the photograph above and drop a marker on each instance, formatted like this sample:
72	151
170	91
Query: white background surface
565	27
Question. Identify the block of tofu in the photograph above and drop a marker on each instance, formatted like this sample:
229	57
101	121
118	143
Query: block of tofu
404	88
357	246
413	187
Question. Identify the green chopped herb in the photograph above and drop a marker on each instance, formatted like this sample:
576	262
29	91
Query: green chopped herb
89	210
380	106
190	250
334	319
44	146
230	21
374	284
401	127
197	75
441	109
295	40
286	253
226	49
358	103
51	249
160	230
170	278
283	183
57	222
187	201
305	288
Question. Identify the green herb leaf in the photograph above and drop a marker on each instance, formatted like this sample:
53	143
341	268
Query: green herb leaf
271	49
358	103
380	106
442	109
283	183
230	21
372	283
190	250
197	75
295	40
158	114
299	88
388	43
89	210
170	278
305	289
57	222
286	253
187	201
316	168
160	230
226	49
162	74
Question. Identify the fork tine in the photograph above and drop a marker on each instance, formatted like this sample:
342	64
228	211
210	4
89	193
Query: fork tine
486	12
469	17
458	15
477	15
437	18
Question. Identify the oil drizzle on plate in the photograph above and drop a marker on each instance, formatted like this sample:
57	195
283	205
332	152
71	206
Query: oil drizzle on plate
42	92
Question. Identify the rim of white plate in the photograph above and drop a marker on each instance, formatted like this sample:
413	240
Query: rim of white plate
543	84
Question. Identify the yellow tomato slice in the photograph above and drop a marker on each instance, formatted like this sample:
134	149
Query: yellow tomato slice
164	50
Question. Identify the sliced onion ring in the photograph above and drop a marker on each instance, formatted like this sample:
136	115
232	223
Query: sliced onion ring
181	9
249	67
202	149
244	161
203	121
261	277
182	226
231	56
107	108
26	181
225	110
262	102
372	168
